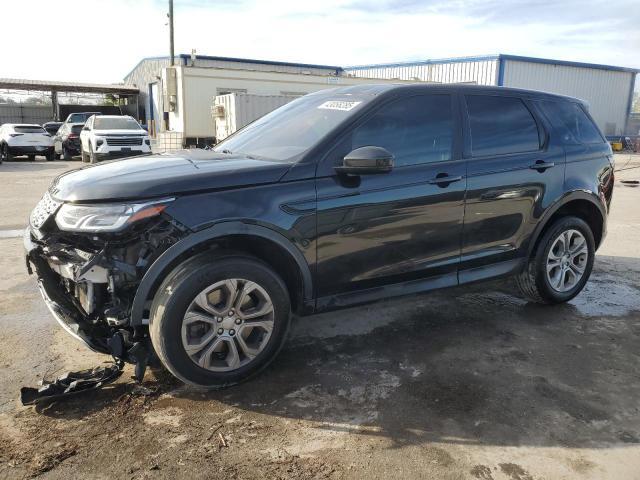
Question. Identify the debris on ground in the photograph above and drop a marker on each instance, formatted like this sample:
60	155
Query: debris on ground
71	383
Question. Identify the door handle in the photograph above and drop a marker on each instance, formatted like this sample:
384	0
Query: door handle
541	165
443	179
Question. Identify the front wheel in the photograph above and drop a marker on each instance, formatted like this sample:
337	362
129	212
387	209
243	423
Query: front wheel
561	263
216	321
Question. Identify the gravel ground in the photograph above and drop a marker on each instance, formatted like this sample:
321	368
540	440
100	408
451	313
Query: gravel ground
467	383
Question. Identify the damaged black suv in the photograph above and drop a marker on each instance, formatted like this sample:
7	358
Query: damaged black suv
338	198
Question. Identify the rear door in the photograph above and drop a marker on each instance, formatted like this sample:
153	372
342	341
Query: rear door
515	171
386	229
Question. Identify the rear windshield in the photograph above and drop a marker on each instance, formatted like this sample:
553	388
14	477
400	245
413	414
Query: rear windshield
28	129
294	128
76	129
117	123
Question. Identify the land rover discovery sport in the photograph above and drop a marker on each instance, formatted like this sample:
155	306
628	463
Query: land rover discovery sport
341	197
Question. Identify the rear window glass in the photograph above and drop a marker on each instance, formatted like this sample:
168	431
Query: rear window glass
115	123
572	122
27	129
79	117
501	125
76	129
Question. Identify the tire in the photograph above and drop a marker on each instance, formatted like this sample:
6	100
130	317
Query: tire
32	158
56	156
176	296
534	282
65	154
50	156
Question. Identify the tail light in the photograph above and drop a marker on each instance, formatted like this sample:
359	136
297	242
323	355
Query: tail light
72	135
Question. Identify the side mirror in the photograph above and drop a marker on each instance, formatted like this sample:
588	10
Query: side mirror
365	160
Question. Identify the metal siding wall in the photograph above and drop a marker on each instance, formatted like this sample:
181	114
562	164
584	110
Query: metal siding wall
481	72
207	63
606	91
144	74
25	113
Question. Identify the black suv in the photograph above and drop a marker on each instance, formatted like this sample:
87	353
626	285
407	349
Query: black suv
340	197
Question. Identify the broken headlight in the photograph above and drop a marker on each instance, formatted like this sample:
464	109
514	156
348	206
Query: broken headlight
106	217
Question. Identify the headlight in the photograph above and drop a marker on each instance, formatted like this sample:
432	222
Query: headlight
106	218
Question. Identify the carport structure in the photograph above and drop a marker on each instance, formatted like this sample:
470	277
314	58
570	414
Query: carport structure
129	93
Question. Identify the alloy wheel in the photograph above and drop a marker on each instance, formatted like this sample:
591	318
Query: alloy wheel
227	325
567	260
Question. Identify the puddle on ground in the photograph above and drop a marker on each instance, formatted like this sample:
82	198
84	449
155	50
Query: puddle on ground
605	295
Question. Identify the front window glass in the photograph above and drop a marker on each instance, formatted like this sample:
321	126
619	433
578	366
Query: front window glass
414	129
115	123
291	130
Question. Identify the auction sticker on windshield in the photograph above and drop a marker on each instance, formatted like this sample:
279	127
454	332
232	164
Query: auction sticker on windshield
339	105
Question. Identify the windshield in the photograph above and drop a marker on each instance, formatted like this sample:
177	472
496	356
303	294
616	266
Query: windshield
28	129
115	123
294	128
79	117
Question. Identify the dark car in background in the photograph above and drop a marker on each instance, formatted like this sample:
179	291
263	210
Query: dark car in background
338	198
66	143
52	127
80	117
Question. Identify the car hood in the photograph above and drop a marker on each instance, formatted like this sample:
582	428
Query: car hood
120	132
164	175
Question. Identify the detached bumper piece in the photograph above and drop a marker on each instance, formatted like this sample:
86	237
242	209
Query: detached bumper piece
71	383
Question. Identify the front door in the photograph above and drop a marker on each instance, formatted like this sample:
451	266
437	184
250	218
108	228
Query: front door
515	171
387	229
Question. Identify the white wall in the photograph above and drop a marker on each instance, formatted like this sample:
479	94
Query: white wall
606	91
198	86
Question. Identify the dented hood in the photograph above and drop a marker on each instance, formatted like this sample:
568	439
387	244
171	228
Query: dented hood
164	175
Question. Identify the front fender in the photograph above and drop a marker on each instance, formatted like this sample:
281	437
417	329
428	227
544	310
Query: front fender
161	267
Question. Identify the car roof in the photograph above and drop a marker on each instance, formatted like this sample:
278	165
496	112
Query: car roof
378	89
114	116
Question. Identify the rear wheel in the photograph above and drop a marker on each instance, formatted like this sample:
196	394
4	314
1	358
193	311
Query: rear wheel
50	156
65	153
217	321
32	158
561	264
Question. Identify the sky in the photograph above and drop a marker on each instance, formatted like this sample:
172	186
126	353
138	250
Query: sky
101	41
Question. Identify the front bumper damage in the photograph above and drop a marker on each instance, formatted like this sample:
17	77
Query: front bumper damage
88	283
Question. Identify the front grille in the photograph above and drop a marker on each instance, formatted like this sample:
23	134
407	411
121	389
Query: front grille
124	141
44	209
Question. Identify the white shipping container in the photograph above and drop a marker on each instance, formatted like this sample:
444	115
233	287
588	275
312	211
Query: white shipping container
233	111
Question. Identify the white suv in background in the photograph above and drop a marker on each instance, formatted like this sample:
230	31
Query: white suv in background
112	136
24	139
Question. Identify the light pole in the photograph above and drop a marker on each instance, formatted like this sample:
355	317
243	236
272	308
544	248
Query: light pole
171	31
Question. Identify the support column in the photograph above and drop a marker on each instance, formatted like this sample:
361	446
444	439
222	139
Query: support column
54	106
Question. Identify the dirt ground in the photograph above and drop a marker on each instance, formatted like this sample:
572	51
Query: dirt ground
467	383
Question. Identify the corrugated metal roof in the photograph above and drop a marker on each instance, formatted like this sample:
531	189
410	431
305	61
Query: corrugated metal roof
47	85
500	56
